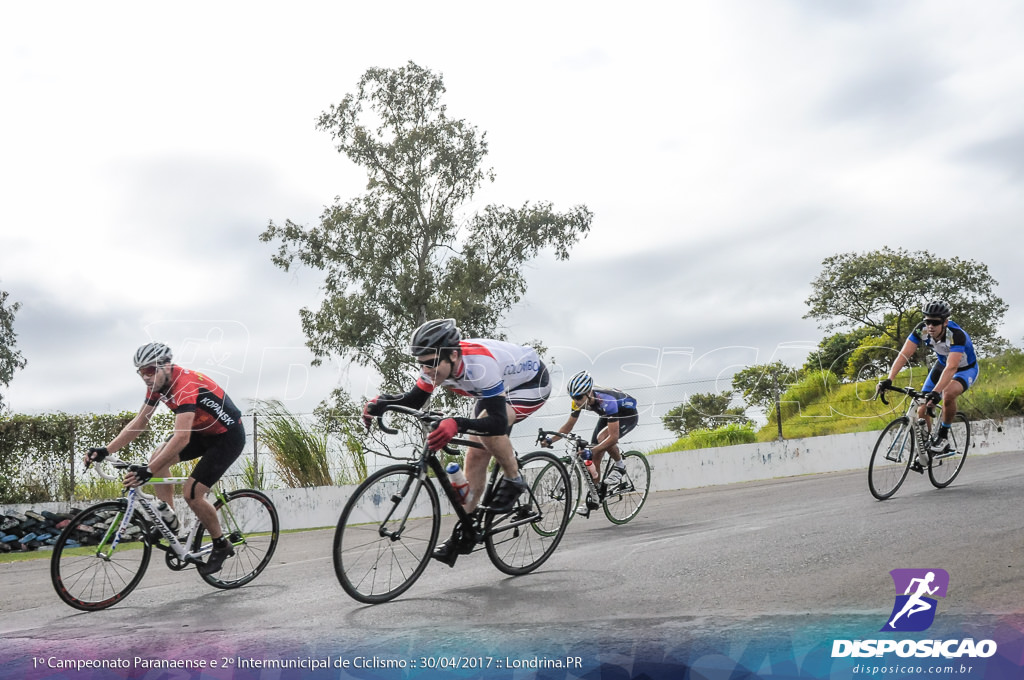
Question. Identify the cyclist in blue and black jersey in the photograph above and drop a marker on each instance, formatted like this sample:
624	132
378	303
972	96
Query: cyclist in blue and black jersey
953	373
617	416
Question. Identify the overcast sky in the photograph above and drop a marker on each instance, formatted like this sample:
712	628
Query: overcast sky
725	148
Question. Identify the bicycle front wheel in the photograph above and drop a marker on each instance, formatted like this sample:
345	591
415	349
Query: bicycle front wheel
544	484
249	520
946	466
891	459
87	570
521	540
623	501
386	533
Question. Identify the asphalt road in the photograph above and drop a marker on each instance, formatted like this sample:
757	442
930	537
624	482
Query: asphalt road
785	556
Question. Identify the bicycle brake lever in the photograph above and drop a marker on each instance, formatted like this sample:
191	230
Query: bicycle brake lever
384	428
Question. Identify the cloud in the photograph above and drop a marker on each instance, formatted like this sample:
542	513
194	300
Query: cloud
1004	154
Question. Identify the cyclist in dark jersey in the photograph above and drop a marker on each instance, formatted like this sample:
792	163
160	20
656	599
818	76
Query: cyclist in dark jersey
954	372
207	425
617	416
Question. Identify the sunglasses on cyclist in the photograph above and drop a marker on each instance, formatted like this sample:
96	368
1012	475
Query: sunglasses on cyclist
934	322
148	371
432	362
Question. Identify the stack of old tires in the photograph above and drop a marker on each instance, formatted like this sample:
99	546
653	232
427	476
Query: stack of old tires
31	530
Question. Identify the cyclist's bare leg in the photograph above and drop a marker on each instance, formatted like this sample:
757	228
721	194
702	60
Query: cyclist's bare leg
477	459
949	396
195	496
164	492
613	451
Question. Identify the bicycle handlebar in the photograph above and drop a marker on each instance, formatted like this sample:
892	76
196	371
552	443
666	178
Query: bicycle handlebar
580	441
426	417
909	391
97	465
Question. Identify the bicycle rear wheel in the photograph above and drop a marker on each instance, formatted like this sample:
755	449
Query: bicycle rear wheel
945	467
521	540
623	501
249	520
386	533
891	459
86	572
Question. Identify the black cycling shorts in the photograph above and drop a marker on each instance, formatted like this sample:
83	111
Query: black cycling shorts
216	453
625	425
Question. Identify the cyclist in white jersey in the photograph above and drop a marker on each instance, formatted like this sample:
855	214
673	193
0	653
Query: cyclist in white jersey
509	383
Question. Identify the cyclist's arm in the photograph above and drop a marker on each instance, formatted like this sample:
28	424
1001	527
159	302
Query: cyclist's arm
903	358
949	372
569	425
167	454
493	424
611	440
414	398
138	425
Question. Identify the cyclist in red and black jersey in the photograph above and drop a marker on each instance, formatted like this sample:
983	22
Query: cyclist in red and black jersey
207	425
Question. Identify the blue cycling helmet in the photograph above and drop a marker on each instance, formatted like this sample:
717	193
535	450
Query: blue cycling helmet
580	384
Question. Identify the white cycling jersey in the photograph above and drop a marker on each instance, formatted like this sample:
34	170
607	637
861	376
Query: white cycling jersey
489	368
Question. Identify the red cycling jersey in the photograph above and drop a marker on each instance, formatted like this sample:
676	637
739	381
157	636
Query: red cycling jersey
191	391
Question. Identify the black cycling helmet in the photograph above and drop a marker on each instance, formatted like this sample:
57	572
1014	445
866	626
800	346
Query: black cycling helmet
152	353
433	336
939	308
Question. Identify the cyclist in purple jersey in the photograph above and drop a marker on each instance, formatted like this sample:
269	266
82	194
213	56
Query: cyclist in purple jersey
617	416
954	372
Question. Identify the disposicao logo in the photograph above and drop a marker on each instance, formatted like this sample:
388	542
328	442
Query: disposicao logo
914	609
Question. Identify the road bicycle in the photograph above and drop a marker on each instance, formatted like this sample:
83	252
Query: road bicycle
621	501
102	554
390	524
893	457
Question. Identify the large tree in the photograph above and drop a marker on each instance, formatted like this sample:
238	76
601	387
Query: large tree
10	359
883	290
703	411
402	253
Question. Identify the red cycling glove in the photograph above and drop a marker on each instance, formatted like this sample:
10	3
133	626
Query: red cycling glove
442	434
367	415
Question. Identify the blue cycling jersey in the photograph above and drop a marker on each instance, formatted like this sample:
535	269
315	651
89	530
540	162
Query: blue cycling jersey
955	340
608	403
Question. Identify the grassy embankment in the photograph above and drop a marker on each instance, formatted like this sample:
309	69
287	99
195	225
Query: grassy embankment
821	405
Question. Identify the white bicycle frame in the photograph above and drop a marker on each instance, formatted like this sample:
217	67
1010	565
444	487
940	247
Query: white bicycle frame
137	497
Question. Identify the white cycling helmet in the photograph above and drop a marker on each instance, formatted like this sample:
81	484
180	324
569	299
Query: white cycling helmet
152	353
580	384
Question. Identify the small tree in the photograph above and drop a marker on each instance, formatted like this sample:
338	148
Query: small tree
705	411
10	359
761	384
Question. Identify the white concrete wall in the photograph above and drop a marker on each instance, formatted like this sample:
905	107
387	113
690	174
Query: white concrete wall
791	457
322	506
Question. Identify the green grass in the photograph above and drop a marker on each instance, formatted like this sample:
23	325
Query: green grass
820	405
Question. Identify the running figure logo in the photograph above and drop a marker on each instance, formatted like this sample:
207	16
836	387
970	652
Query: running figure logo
914	610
